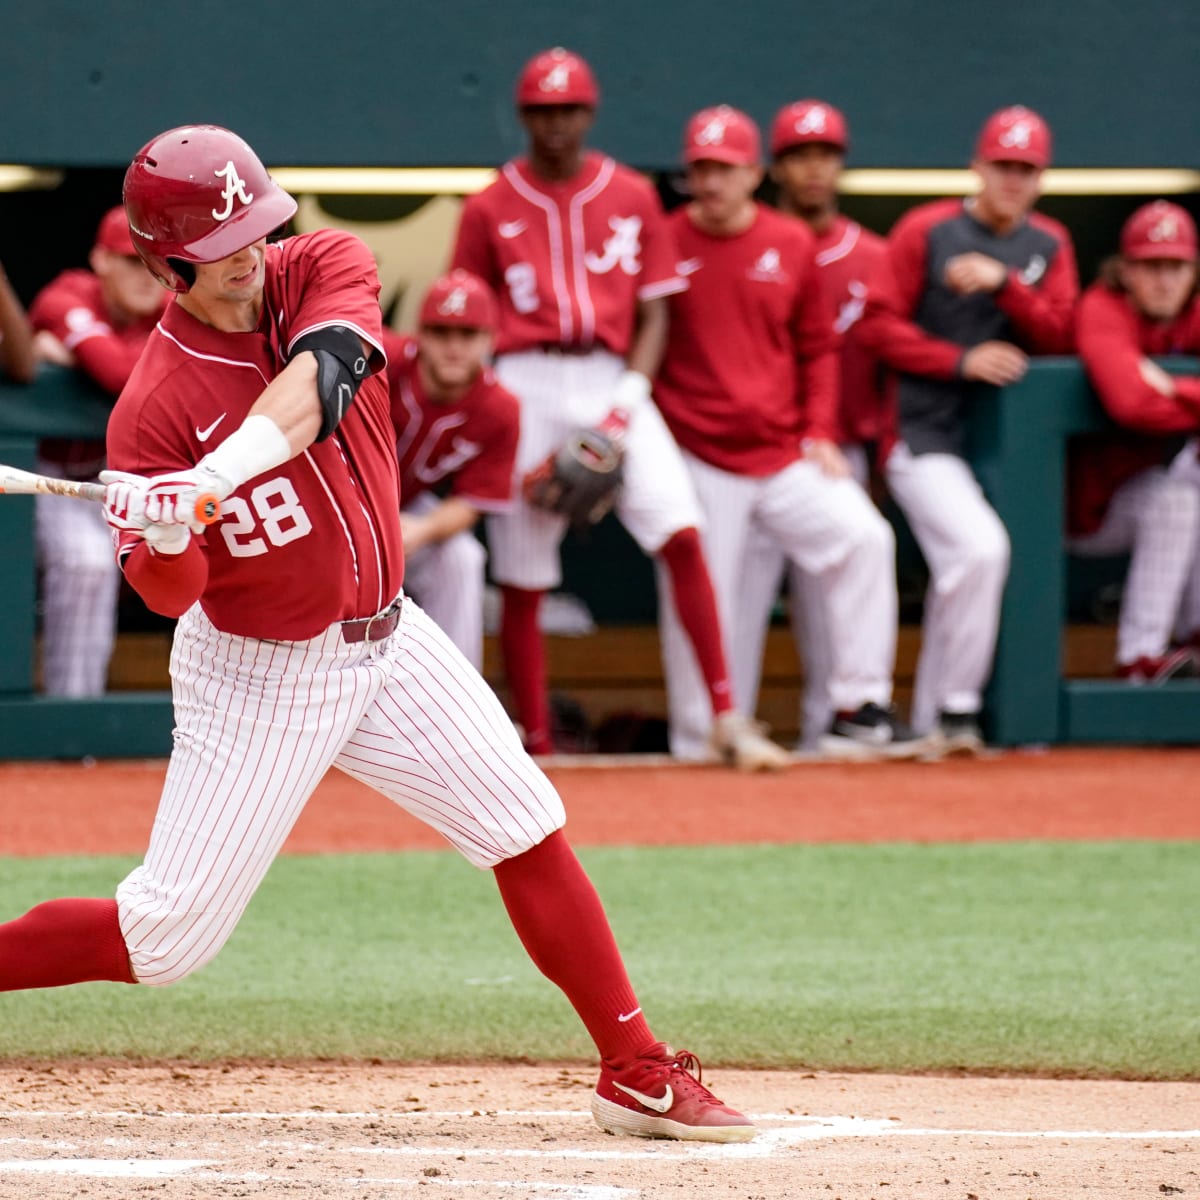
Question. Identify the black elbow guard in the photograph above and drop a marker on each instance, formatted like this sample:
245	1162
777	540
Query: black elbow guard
341	368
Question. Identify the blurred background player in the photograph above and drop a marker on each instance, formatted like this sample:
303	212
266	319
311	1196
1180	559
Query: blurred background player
967	290
1122	496
748	386
96	321
809	140
17	361
456	438
576	247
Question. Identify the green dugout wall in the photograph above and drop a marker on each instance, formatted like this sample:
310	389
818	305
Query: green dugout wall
1019	437
374	82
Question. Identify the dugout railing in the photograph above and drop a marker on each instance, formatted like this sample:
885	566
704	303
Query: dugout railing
1019	440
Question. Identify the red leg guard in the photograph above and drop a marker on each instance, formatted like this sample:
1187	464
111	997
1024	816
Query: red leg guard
61	942
561	923
696	603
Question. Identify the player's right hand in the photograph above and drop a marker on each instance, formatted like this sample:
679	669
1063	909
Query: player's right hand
997	363
171	499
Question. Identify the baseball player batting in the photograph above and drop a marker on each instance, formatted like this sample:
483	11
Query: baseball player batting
576	247
263	385
456	438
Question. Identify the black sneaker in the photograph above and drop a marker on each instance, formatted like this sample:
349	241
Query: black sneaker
959	734
872	732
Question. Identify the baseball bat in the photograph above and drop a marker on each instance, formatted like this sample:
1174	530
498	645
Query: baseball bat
15	482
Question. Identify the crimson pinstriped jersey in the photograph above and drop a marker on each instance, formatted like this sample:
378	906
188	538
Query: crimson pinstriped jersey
847	256
1113	339
751	360
72	308
568	260
466	448
920	328
316	540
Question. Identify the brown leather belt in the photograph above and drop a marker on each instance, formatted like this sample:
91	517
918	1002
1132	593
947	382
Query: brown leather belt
374	629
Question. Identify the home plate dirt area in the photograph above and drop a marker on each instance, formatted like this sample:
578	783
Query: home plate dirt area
109	1130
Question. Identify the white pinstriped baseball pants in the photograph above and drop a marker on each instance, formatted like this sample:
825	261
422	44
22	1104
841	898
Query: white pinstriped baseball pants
80	585
833	532
258	724
447	580
966	548
1156	516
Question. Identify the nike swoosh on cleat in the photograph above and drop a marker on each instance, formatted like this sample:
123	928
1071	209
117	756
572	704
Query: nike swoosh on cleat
659	1104
204	434
623	1017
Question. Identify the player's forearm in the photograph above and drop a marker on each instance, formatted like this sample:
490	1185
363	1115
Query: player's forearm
16	337
904	346
452	517
290	400
168	584
1045	321
650	337
107	361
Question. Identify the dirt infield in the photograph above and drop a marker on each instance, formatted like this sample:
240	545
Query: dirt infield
375	1130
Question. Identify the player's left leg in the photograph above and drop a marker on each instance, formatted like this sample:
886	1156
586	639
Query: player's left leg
437	742
80	583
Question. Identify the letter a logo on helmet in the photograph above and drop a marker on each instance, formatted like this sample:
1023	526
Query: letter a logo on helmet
235	189
198	194
455	303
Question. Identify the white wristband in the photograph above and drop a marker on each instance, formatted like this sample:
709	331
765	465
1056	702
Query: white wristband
632	391
257	445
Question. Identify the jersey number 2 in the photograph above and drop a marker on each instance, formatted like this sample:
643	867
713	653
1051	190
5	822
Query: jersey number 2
277	512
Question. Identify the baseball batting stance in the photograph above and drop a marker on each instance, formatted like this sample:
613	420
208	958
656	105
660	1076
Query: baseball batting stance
262	385
578	252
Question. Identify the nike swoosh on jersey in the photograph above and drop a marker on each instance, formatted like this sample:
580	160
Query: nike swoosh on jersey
689	266
658	1104
204	434
511	229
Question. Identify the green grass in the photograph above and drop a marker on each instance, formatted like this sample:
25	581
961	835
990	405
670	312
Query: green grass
1077	958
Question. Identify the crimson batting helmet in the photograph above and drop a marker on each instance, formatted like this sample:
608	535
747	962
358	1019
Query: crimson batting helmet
198	194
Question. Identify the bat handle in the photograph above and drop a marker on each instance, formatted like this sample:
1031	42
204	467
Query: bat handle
207	509
93	491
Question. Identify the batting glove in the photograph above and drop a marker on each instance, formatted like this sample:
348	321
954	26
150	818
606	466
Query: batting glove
125	512
171	499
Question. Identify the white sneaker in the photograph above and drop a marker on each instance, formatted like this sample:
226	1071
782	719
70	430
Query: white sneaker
743	743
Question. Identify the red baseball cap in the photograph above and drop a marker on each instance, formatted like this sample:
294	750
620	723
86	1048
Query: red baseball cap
460	299
1014	134
557	76
805	121
722	134
1159	230
113	233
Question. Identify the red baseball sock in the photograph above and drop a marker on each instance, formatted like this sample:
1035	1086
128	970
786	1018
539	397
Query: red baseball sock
696	603
61	942
561	923
525	665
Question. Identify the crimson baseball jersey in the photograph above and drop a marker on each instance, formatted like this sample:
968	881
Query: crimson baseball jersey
466	448
920	328
568	259
71	307
751	361
316	540
847	256
1113	338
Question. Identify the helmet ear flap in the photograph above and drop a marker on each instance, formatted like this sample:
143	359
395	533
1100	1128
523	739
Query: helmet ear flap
185	270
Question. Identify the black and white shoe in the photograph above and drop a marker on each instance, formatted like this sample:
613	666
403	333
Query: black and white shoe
959	734
873	732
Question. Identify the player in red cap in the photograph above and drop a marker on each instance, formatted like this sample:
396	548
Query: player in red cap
295	649
968	290
1126	495
748	386
456	438
809	140
576	247
96	321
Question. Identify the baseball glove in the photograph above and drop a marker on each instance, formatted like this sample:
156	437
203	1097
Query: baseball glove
581	480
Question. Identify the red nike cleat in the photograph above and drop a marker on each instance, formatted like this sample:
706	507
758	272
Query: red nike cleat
659	1095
